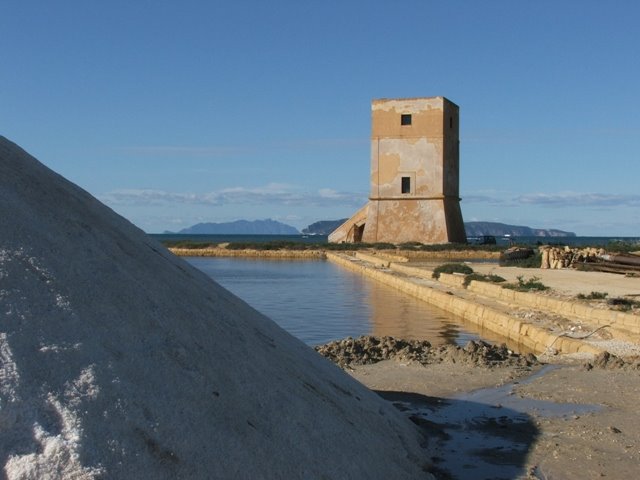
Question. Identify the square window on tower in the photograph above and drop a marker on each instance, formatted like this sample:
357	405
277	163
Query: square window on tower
405	119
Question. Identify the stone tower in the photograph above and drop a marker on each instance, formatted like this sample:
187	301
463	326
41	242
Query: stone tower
414	193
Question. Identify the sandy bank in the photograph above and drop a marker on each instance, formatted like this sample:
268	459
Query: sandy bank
494	414
513	436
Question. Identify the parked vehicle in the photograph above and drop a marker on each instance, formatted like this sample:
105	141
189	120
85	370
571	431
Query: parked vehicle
482	240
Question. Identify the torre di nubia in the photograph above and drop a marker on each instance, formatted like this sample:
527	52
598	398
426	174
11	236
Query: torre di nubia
415	172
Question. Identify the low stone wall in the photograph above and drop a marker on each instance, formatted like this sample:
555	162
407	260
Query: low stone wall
530	336
375	260
625	325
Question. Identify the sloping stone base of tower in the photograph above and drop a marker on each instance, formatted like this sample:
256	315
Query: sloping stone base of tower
351	231
424	221
398	221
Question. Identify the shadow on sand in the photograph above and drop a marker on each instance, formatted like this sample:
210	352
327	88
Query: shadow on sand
470	440
483	434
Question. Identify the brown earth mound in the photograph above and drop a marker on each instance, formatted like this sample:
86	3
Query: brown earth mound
369	349
609	361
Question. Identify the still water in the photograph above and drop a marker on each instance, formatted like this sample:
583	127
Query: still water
318	301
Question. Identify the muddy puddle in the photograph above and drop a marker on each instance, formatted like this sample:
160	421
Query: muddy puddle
483	434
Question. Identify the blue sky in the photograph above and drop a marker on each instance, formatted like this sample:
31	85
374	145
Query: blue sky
174	113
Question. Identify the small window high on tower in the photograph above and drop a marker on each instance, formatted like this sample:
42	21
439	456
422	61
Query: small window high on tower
405	119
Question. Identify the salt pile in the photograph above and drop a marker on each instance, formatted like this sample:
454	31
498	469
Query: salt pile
119	360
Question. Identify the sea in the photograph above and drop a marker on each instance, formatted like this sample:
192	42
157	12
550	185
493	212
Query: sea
318	301
321	239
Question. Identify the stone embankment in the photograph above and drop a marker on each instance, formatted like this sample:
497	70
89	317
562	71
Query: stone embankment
224	252
500	311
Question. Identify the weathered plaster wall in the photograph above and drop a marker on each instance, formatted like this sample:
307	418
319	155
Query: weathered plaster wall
417	158
399	221
426	152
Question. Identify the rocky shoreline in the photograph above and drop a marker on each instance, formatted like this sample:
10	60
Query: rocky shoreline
369	350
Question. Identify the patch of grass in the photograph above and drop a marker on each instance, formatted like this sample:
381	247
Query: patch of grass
531	284
412	246
622	246
491	278
188	244
623	304
452	268
592	296
457	247
384	246
275	245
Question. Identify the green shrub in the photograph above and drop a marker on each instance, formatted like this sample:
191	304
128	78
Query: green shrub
384	246
623	304
274	245
592	296
457	247
523	285
413	246
491	278
622	246
345	246
188	244
452	268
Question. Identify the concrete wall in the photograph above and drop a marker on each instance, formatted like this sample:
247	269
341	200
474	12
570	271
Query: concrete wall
529	336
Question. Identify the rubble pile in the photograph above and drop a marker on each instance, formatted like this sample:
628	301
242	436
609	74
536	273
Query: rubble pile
566	257
368	349
609	361
596	259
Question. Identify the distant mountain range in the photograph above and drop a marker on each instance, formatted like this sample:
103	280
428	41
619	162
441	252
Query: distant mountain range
473	229
500	229
241	227
325	227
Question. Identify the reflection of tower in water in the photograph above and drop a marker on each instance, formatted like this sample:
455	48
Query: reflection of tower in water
402	316
399	315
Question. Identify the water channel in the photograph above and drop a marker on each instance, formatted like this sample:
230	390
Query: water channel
319	301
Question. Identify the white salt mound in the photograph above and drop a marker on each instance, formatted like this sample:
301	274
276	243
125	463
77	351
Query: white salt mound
119	360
